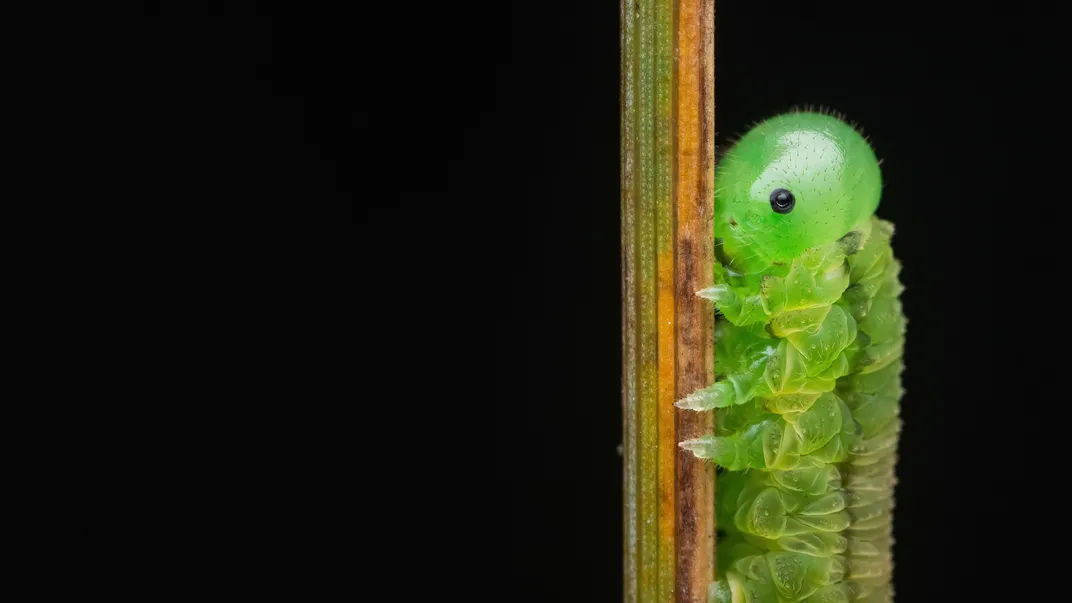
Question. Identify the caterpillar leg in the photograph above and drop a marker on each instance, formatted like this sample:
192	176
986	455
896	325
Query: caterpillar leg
808	360
815	279
733	389
741	356
823	432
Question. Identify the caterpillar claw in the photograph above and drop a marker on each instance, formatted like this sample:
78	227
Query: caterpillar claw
707	447
719	294
719	395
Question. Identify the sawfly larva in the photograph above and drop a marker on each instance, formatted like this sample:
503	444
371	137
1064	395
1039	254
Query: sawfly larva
808	358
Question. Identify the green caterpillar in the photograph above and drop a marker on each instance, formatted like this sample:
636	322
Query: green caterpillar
809	338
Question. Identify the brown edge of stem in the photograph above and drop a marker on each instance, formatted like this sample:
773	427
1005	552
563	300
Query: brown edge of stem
695	261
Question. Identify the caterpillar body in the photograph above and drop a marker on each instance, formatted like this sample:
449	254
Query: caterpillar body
809	336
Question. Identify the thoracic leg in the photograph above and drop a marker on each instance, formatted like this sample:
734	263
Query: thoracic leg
741	356
753	364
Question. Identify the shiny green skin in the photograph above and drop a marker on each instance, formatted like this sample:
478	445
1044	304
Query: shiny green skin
809	340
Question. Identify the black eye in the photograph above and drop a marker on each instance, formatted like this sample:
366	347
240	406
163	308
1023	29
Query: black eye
782	201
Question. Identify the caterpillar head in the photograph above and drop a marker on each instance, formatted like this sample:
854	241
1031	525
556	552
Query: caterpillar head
795	181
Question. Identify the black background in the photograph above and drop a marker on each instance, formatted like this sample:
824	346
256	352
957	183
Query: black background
337	290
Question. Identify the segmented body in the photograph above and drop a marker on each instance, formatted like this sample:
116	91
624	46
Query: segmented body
809	341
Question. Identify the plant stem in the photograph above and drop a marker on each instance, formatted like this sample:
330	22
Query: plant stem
667	254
